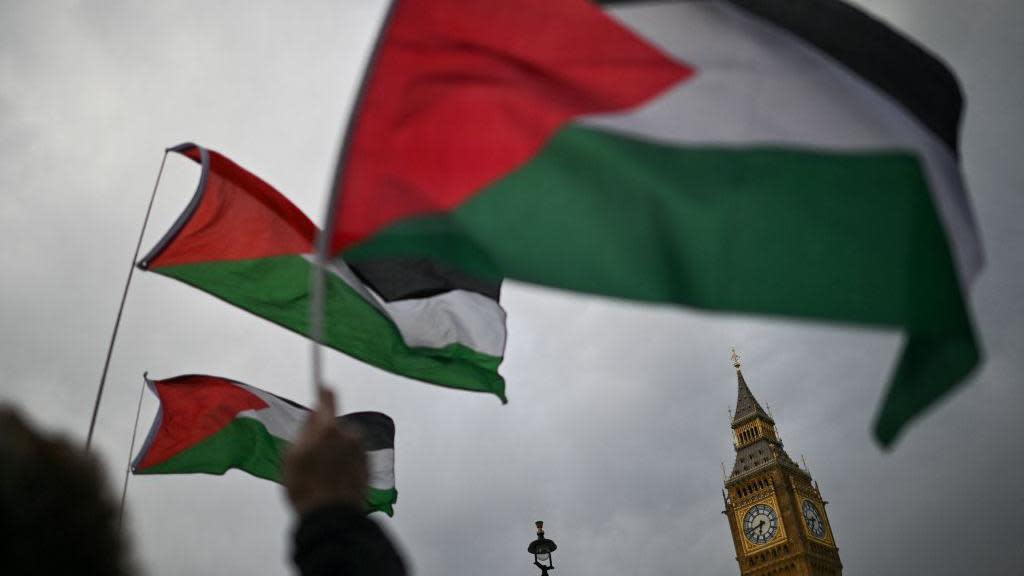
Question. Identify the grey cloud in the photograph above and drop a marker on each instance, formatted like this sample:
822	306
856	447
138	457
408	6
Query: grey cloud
617	417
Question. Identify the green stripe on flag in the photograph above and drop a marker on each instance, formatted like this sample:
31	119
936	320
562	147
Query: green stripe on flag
244	444
845	236
383	500
277	289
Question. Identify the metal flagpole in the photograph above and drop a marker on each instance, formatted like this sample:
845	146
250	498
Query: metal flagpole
131	450
120	309
318	286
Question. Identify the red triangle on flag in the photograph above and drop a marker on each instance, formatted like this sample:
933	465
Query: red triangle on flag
462	92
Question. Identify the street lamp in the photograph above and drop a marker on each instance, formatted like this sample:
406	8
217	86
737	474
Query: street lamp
541	548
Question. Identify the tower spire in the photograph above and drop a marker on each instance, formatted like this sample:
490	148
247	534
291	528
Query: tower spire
746	404
754	435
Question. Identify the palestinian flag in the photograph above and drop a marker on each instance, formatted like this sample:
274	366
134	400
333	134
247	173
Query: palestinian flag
208	424
782	157
243	242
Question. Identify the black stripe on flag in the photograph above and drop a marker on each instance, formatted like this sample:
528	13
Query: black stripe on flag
894	63
419	278
378	429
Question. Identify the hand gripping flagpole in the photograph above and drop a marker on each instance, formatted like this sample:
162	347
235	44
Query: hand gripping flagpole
318	286
120	309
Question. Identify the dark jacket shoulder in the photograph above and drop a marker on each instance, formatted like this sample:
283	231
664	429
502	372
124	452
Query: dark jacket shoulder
338	540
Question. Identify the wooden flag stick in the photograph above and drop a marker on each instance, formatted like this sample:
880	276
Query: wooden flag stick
318	278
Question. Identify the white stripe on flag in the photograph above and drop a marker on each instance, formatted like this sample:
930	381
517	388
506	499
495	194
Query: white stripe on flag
756	84
381	467
280	418
459	316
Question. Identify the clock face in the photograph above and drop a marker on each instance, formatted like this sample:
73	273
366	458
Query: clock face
813	519
760	524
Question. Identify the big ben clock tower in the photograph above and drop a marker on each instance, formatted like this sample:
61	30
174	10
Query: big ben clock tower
775	511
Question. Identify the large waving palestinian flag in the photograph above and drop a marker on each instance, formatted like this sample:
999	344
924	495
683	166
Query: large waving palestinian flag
242	241
210	425
785	157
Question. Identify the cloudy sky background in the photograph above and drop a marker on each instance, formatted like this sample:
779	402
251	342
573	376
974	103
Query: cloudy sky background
617	420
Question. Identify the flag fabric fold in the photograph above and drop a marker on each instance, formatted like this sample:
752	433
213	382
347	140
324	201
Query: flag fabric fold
242	241
208	424
780	157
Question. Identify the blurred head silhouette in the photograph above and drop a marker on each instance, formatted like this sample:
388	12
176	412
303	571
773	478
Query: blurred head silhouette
56	514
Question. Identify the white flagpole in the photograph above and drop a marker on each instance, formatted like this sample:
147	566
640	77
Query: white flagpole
120	309
318	287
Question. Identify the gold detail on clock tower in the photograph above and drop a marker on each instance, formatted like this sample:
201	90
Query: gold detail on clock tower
775	511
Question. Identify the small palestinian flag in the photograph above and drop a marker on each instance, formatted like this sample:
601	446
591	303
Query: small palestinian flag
209	425
779	157
245	243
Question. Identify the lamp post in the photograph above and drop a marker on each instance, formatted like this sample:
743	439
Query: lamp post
541	548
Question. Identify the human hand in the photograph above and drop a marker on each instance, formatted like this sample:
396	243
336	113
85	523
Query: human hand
327	463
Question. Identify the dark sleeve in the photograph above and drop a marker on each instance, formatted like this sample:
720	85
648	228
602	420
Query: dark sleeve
341	541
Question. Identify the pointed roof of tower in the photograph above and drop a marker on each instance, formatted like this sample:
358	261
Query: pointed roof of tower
763	451
746	404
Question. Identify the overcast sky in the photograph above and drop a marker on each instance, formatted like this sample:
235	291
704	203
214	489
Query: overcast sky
617	422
